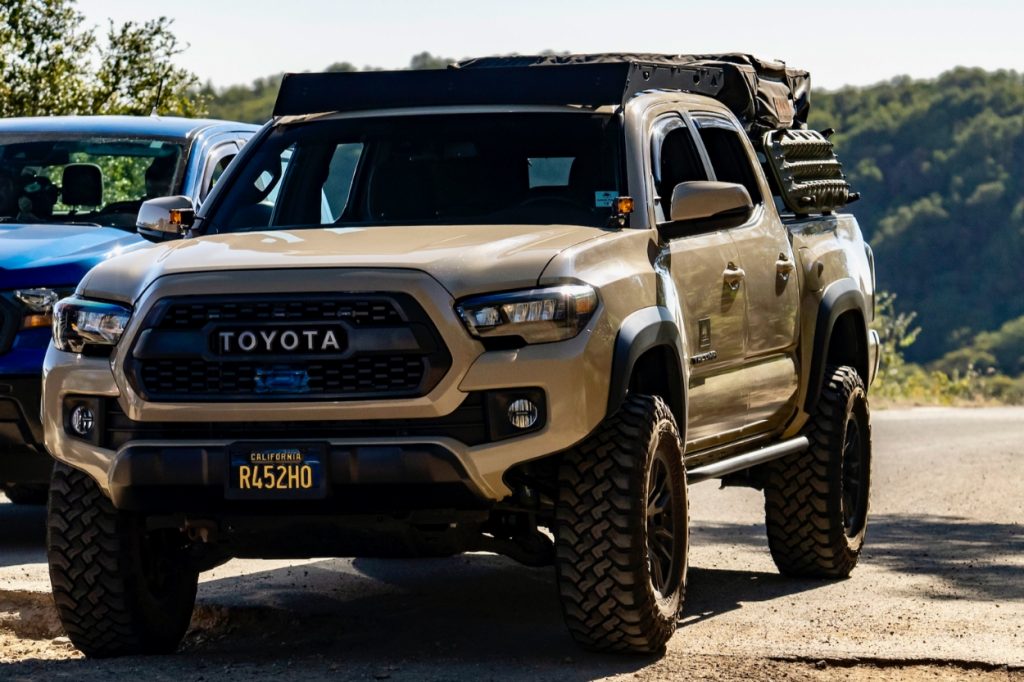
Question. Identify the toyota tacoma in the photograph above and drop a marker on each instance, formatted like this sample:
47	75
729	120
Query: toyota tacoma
517	305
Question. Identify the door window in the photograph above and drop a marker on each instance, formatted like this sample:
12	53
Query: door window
338	185
674	159
215	168
728	155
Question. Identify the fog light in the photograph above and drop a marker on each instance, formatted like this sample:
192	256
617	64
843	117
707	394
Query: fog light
82	421
522	413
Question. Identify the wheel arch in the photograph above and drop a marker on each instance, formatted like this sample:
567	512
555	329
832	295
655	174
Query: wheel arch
648	358
840	336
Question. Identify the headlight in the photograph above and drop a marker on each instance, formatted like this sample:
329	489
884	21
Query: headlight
39	304
78	323
536	315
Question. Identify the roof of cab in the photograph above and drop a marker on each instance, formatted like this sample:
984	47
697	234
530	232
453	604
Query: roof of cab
163	126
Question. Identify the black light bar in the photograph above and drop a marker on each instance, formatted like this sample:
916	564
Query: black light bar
582	84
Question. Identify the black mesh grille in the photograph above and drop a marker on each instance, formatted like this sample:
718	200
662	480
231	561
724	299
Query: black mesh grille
175	359
367	374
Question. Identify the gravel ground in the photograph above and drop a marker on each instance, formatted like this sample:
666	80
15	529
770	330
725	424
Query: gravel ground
939	593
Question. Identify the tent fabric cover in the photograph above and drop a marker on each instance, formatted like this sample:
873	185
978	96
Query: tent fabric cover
764	94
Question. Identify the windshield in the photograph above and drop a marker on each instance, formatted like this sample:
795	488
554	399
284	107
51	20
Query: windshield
91	180
522	168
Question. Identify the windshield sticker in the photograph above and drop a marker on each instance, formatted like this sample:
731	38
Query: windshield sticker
604	199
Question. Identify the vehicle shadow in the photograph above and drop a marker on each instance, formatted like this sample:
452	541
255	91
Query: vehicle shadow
22	534
970	559
468	617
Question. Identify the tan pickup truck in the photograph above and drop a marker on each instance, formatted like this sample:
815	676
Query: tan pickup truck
473	309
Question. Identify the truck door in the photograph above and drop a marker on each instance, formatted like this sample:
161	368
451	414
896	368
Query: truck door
770	283
698	263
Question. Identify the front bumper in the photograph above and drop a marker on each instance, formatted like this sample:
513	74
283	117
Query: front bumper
22	456
572	375
384	478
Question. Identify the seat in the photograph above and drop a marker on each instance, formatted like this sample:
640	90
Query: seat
81	185
402	189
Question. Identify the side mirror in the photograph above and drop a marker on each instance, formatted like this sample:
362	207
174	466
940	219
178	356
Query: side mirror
711	205
166	218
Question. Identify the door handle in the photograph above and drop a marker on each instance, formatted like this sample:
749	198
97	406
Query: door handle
784	267
733	276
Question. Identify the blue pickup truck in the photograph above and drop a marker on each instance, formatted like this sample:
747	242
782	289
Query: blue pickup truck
70	191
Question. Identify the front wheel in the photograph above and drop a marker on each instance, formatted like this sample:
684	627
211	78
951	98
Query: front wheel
119	588
622	531
816	502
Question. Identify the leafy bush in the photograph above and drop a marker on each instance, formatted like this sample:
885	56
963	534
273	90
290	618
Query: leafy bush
966	376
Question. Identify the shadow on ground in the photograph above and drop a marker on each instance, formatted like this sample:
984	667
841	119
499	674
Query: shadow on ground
454	618
970	559
22	534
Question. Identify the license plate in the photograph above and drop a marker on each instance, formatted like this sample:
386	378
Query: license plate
259	471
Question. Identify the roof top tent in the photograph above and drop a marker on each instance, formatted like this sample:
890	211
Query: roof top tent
771	101
764	95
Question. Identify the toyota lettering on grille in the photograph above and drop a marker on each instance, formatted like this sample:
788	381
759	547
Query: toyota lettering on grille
303	340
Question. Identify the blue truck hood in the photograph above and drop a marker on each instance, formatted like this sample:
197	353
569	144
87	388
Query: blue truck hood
57	255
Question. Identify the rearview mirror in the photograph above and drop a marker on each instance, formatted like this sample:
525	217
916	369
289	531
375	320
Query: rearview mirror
165	218
711	205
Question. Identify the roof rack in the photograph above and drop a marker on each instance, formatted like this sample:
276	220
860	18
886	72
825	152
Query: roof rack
592	84
765	95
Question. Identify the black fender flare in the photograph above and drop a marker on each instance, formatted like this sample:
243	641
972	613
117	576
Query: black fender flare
841	296
640	332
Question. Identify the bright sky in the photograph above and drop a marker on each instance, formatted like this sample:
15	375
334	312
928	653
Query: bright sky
856	42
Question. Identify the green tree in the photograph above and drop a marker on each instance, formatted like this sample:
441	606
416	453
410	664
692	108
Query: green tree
425	60
939	165
52	63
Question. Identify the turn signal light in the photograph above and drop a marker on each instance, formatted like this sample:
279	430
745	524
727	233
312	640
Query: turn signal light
182	217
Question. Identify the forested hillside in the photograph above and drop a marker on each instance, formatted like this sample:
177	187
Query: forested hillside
940	166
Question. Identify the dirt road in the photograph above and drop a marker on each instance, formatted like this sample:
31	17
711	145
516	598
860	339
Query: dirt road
939	593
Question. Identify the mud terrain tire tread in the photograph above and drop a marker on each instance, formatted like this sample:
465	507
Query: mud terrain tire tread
97	577
803	509
608	600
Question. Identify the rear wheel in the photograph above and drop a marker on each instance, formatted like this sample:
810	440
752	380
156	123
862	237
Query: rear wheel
622	531
119	589
816	502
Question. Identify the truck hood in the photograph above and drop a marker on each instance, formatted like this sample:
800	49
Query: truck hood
465	259
56	255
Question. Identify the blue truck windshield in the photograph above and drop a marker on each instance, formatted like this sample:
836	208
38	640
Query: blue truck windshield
84	180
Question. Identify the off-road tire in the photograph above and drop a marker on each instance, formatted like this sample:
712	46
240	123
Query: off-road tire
29	495
816	502
606	578
118	589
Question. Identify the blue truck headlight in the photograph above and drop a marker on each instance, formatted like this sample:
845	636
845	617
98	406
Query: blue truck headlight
38	305
79	323
535	315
